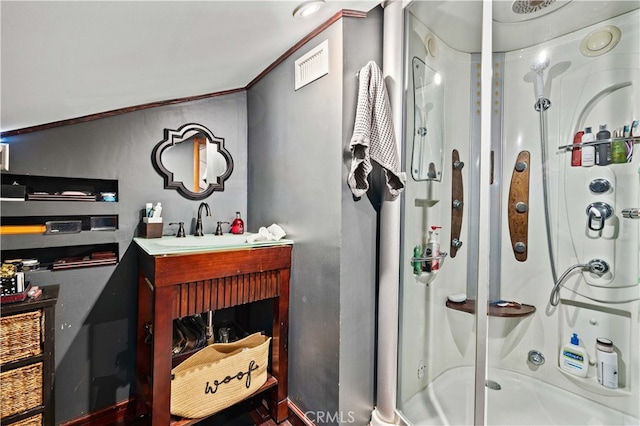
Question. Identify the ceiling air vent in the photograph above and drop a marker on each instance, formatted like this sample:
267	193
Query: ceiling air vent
312	65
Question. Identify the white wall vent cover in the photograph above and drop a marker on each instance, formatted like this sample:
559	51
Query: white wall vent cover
312	65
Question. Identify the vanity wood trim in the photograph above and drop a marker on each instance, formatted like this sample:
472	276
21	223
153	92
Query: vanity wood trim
169	270
345	13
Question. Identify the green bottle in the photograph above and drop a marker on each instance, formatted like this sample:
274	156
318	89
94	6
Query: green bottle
417	268
618	149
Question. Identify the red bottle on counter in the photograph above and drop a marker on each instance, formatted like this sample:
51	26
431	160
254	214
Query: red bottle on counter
237	226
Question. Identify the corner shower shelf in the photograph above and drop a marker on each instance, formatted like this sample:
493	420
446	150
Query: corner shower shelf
571	147
469	306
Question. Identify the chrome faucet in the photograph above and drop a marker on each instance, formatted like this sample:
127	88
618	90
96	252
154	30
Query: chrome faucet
199	232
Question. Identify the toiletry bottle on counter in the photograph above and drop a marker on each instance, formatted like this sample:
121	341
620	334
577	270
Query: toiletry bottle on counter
148	211
589	151
603	150
157	210
574	358
576	153
606	363
237	226
433	249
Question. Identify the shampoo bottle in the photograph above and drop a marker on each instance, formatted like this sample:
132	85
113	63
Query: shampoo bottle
574	358
237	226
606	363
433	248
589	151
417	265
618	148
576	153
603	150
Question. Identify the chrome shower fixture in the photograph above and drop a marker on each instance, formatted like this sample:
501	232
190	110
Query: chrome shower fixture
595	266
538	66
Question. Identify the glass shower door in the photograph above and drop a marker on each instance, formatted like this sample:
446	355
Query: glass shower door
441	217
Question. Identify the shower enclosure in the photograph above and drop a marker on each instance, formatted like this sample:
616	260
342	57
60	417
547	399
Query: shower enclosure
536	245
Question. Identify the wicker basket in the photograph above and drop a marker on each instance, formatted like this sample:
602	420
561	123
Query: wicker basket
20	336
218	376
30	421
21	389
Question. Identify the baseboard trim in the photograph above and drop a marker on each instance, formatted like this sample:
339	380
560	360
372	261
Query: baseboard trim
297	416
107	416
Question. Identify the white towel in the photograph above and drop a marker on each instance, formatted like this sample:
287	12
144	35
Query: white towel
272	233
373	135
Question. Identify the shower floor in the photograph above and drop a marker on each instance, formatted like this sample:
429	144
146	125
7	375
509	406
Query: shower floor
521	400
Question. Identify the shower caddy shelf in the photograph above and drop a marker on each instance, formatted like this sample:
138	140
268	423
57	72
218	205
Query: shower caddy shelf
469	306
571	147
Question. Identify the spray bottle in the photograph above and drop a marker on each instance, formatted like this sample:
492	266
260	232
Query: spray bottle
433	249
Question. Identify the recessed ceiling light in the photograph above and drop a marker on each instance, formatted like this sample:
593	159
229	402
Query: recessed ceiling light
307	8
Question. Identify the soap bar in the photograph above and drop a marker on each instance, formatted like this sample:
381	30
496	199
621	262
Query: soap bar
457	298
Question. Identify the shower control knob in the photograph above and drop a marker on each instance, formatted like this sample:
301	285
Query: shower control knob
457	204
456	243
458	165
520	247
599	186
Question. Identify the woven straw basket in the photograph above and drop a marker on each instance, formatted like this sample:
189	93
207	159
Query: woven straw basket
218	376
20	336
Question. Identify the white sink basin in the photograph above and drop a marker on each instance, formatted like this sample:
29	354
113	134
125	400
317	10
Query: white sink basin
209	242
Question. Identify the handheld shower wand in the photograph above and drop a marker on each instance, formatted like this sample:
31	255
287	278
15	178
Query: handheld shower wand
538	66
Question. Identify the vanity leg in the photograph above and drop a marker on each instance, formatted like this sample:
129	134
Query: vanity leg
279	362
143	349
162	340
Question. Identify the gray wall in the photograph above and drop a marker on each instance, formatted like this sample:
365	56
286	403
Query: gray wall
97	310
299	160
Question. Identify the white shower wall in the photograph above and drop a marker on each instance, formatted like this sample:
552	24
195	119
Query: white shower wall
572	82
442	338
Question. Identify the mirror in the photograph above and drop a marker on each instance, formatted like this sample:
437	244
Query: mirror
192	161
428	119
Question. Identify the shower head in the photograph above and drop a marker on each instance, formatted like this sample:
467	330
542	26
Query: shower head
538	66
540	63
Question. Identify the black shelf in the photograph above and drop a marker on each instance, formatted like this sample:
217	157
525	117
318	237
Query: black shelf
53	185
50	257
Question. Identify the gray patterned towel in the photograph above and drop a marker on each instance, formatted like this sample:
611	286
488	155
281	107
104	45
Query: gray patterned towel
373	136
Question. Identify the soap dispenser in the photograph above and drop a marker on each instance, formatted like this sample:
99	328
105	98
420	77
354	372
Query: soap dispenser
237	226
433	249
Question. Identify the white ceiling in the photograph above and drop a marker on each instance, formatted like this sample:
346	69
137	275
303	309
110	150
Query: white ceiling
68	59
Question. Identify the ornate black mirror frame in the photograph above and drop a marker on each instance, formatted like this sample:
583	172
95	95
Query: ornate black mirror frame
172	137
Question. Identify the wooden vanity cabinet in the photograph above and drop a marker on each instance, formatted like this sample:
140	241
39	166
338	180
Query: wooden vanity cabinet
177	285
